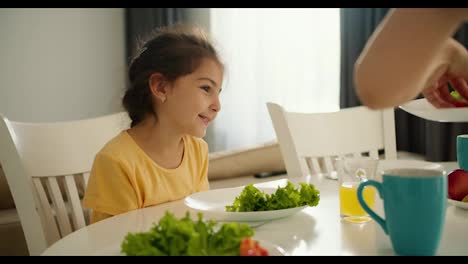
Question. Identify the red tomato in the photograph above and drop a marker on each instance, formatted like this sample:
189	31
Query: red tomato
263	252
250	247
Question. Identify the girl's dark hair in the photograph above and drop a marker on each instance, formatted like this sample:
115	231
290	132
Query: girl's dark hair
172	51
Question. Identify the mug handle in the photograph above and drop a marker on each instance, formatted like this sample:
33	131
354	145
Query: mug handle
366	208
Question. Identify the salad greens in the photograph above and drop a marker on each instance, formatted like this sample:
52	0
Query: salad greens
185	237
252	199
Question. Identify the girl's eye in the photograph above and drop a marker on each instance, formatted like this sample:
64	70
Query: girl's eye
205	88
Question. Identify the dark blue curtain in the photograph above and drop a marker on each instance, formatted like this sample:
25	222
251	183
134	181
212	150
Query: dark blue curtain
436	141
357	25
139	22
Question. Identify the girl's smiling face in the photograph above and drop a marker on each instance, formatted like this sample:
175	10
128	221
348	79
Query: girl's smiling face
192	101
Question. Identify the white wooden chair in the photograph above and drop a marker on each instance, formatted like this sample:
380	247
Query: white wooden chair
47	167
309	141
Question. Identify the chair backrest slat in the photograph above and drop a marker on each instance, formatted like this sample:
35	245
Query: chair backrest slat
85	177
315	166
61	212
76	214
375	154
51	229
328	165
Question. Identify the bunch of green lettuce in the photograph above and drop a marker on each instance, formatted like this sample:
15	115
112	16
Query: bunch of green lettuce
252	199
184	237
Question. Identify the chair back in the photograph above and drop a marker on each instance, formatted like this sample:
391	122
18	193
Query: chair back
309	141
47	167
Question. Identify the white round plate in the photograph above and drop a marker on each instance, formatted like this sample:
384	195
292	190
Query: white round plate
213	203
422	108
273	250
458	204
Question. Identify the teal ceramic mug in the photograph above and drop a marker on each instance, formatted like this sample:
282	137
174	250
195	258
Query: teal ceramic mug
414	203
462	151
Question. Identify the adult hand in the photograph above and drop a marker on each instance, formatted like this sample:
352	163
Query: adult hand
439	96
454	72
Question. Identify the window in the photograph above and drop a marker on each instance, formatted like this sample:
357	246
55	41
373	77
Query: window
288	56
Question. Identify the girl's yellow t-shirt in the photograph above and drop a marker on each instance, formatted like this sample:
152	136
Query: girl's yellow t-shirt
124	177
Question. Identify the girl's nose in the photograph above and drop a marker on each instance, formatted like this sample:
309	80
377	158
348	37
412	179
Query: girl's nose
216	105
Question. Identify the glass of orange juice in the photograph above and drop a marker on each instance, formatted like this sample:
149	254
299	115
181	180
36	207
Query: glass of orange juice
351	172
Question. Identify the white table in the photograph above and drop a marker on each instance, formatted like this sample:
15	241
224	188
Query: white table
313	231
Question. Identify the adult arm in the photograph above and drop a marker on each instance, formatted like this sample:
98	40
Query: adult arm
409	51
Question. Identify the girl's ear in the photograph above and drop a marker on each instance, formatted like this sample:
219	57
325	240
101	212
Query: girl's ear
158	86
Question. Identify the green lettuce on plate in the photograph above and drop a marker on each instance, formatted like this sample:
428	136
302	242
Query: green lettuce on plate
253	199
186	237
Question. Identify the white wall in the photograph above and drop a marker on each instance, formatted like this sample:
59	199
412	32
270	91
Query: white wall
61	64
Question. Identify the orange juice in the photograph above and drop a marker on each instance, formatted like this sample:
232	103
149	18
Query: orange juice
349	204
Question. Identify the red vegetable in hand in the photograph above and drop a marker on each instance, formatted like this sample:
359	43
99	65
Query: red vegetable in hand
250	247
461	104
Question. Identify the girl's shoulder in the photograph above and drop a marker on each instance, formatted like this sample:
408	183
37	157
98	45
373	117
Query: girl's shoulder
196	143
117	146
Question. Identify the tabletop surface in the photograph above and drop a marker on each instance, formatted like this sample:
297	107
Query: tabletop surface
312	231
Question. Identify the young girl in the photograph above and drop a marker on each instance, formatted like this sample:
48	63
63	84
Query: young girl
173	96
